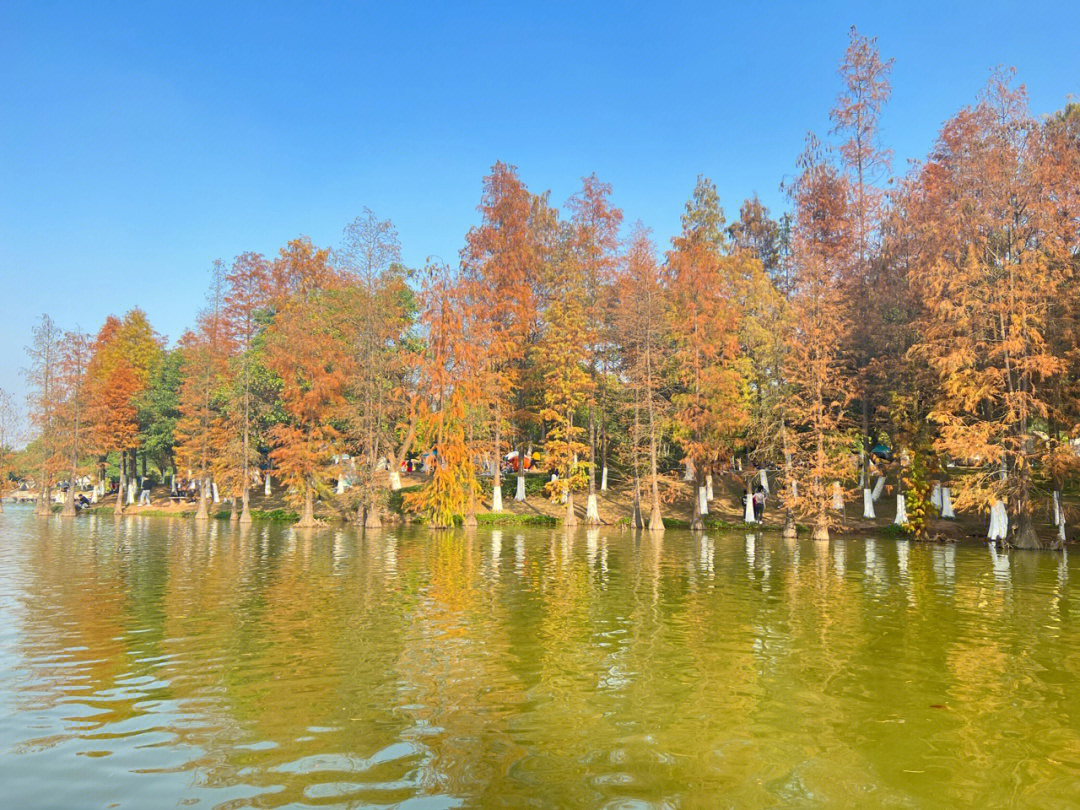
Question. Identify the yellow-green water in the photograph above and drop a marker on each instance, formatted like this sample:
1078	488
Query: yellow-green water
151	663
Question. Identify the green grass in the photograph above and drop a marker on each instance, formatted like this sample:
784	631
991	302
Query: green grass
276	515
506	519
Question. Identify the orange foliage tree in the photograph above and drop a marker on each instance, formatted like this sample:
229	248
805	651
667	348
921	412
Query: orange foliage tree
450	364
308	350
818	381
595	243
502	263
641	320
992	270
562	354
709	409
123	356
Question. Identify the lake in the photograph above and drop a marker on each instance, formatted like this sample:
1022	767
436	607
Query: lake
151	662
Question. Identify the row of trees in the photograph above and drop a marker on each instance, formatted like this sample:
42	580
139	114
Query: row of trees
937	312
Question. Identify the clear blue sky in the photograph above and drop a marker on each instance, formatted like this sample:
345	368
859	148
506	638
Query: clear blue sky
140	141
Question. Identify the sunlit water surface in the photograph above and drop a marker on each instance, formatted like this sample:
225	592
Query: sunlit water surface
152	663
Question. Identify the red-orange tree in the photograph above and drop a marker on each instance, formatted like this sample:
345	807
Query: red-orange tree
307	349
641	321
502	262
994	265
123	357
449	365
709	406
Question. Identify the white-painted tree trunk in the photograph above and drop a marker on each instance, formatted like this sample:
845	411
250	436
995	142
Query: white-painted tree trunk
999	522
764	477
935	495
868	504
131	492
592	514
1061	531
496	498
688	472
395	480
1056	508
266	486
946	504
901	509
172	483
341	485
879	487
748	509
703	502
603	479
795	490
94	495
519	495
708	487
214	489
837	497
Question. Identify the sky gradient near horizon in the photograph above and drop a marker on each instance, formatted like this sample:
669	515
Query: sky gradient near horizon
141	141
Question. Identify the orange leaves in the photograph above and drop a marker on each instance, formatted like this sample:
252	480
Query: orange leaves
703	326
124	355
308	354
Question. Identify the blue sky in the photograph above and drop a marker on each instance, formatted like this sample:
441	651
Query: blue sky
139	142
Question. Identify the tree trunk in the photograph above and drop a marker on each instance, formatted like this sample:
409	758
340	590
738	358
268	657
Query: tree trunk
571	516
656	518
69	509
372	518
245	474
1025	536
519	495
469	520
636	521
233	514
496	481
696	522
307	519
245	512
592	516
203	512
790	530
821	526
119	510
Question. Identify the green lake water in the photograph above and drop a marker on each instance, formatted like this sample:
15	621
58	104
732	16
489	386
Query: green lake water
153	663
